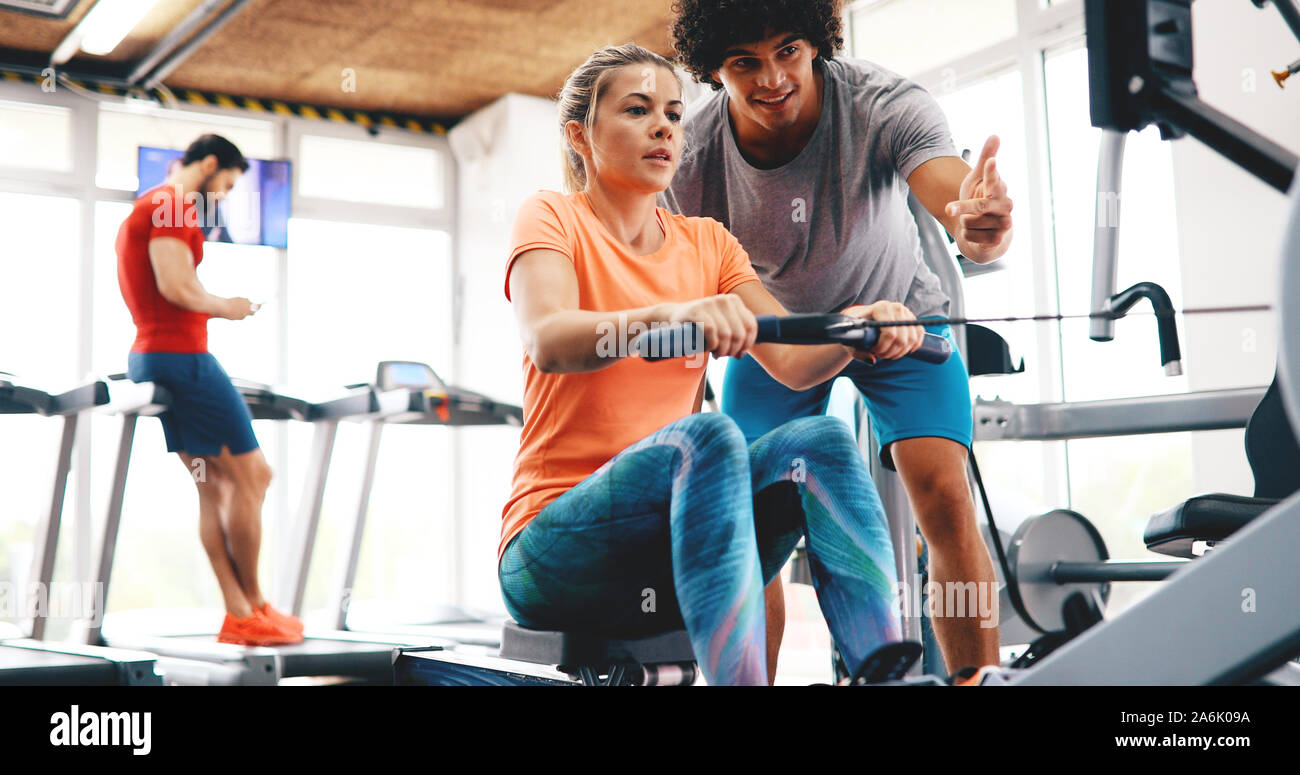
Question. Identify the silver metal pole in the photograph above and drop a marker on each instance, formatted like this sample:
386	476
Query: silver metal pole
112	521
348	576
902	526
309	509
1289	312
43	573
1105	248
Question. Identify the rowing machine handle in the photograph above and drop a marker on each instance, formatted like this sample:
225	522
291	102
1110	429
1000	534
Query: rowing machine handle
681	339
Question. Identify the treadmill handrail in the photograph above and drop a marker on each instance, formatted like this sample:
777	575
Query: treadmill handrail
79	399
358	404
38	400
144	399
277	406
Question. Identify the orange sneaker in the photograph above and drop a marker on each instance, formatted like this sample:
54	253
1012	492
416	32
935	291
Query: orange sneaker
283	621
255	630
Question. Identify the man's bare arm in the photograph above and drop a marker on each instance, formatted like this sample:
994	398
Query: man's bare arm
173	269
972	204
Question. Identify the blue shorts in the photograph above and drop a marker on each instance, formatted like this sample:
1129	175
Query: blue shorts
207	413
906	398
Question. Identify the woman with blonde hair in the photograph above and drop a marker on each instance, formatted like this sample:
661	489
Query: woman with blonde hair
631	514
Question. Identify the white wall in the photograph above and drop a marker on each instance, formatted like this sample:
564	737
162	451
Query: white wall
1229	223
504	152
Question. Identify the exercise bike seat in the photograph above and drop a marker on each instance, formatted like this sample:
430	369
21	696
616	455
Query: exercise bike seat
1210	518
568	650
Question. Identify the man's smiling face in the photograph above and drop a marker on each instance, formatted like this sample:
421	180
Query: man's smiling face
771	80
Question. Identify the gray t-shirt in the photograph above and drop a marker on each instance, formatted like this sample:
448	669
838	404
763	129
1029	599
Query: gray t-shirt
830	228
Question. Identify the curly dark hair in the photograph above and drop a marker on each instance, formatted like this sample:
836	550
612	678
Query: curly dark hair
704	29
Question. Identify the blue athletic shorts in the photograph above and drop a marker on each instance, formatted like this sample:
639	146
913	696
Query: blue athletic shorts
906	398
207	413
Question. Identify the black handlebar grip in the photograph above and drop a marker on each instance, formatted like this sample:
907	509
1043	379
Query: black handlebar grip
675	340
1167	325
934	349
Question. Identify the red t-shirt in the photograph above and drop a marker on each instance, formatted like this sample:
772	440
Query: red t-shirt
160	325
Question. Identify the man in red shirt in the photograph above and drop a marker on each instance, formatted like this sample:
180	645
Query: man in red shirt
158	248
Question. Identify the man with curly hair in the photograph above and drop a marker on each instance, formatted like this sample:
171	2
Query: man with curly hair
808	160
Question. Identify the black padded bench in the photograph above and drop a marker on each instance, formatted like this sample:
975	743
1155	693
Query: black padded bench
1275	462
666	659
1205	518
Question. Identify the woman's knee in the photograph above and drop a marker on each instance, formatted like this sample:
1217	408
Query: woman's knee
710	424
824	428
819	438
713	430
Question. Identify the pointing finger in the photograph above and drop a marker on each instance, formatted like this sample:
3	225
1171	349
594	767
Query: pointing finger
989	150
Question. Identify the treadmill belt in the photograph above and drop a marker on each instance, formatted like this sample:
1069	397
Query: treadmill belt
32	667
324	656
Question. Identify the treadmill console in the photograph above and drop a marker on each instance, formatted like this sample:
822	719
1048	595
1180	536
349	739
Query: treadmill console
395	375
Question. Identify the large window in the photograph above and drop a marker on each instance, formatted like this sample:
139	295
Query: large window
38	342
35	137
358	295
245	347
911	36
995	106
359	171
38	297
122	130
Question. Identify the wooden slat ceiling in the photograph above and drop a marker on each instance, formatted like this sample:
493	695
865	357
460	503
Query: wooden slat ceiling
438	58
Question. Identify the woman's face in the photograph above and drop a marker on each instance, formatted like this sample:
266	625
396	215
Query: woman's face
635	140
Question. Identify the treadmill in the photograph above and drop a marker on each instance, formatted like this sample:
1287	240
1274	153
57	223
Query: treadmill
26	659
412	393
191	657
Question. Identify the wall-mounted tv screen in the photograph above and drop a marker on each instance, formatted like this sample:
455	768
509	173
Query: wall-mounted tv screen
255	212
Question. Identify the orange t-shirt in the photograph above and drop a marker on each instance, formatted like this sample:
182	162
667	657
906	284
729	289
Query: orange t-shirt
574	423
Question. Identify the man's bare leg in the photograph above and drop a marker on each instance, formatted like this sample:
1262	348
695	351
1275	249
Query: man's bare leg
215	491
242	521
774	597
934	474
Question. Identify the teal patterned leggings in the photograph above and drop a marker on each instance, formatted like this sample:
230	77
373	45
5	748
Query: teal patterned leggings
687	526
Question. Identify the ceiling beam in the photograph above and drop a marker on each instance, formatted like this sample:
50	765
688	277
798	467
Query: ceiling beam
177	36
175	58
